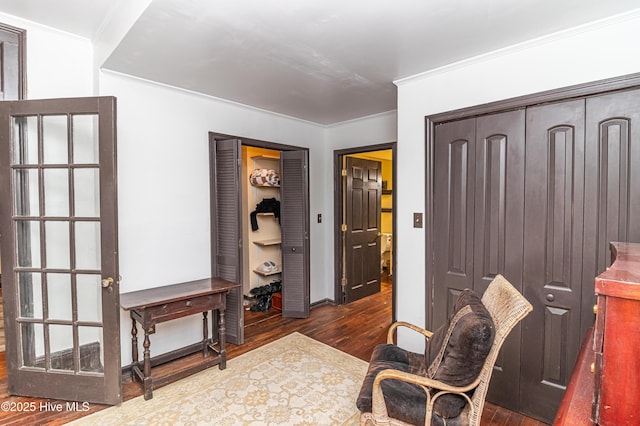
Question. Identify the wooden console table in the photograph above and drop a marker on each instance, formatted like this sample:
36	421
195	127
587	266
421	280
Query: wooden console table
155	305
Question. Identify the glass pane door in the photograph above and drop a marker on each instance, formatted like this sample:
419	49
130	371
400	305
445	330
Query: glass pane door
57	224
57	179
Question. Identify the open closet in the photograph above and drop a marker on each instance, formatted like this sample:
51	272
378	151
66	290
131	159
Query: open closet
260	227
262	253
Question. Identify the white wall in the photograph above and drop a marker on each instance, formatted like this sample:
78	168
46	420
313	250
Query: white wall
163	188
605	49
163	157
58	64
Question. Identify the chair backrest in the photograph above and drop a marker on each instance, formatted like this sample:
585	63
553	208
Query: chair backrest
507	308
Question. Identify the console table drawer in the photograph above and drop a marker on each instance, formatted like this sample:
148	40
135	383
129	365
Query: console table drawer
181	308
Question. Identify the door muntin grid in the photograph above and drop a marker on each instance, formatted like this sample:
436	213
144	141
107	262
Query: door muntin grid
56	215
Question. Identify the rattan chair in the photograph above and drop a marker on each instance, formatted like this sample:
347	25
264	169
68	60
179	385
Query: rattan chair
507	307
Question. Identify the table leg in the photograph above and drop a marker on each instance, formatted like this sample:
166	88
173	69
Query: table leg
205	334
222	339
148	383
134	349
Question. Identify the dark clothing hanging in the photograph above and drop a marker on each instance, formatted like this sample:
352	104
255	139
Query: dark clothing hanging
267	205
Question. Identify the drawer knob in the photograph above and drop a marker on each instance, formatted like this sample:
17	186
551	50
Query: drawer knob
550	297
188	302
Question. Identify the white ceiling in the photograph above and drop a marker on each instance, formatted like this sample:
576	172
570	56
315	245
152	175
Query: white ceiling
323	61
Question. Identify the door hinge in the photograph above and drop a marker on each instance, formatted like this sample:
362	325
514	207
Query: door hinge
344	172
343	283
343	228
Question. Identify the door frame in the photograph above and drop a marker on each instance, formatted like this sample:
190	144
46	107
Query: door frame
337	216
630	81
214	136
18	81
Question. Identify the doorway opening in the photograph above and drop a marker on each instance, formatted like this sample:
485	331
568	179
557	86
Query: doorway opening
260	229
365	223
12	87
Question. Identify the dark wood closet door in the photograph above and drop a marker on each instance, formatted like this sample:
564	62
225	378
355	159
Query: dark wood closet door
498	234
453	214
553	250
612	201
226	232
294	210
478	213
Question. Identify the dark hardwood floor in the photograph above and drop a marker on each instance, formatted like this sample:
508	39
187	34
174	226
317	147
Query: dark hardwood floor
354	328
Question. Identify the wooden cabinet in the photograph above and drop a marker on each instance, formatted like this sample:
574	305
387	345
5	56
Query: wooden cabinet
616	342
605	384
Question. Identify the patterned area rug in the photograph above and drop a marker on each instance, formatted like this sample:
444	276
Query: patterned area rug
293	381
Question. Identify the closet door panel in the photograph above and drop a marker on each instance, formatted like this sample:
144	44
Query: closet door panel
453	214
226	232
498	229
612	206
294	211
553	249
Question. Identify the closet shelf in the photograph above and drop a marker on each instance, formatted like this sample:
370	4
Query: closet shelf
269	242
266	186
265	157
266	274
386	210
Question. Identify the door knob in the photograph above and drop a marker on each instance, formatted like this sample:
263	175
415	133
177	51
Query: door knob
550	297
293	249
107	282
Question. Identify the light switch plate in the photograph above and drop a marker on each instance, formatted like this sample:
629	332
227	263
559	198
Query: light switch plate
417	220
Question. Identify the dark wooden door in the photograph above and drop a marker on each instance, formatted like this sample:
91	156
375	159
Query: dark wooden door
226	231
553	250
453	214
294	213
362	240
612	199
478	215
499	214
58	222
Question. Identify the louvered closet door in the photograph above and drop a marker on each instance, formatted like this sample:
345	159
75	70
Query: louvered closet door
294	211
226	233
